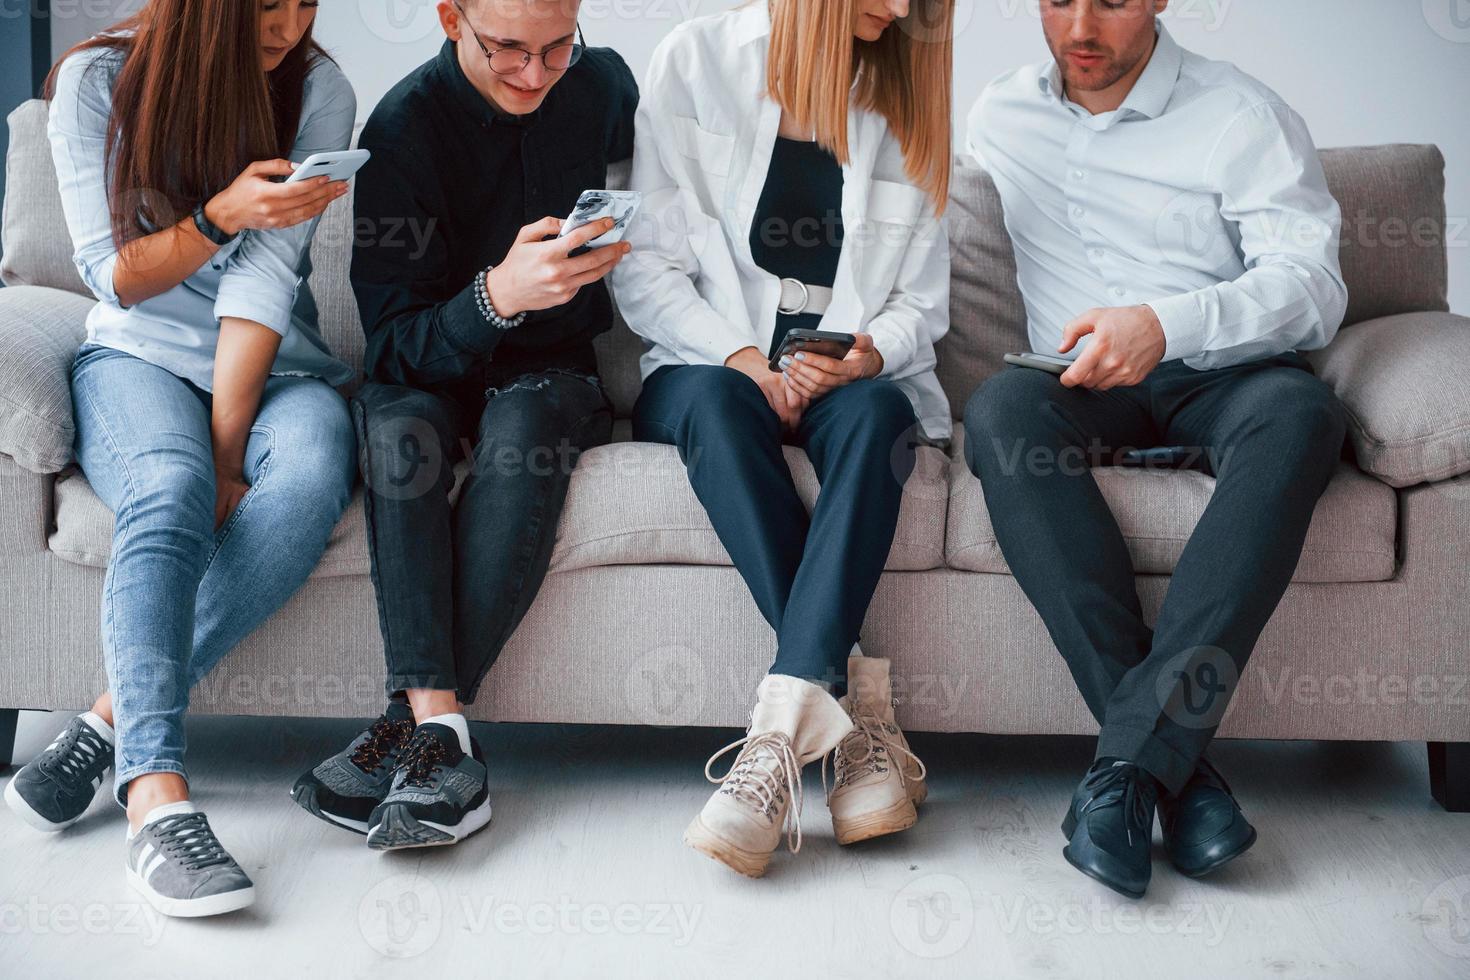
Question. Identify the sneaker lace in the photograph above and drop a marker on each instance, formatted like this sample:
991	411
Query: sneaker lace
383	739
188	838
867	748
78	751
765	772
1120	785
421	760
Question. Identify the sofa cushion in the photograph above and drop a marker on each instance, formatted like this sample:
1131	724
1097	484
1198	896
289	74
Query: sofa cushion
629	504
40	330
1352	537
1393	228
1404	383
37	247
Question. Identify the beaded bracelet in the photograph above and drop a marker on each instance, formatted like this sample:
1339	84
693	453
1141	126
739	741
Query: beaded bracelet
482	300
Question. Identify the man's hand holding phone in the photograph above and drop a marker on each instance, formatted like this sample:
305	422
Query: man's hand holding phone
1127	344
537	274
814	375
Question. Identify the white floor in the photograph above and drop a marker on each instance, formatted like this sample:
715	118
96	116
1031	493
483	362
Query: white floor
1357	874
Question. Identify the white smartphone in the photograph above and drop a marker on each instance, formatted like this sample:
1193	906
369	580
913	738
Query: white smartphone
337	164
596	205
1049	363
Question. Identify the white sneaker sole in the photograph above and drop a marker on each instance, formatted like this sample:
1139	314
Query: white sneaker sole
22	809
710	844
398	829
192	908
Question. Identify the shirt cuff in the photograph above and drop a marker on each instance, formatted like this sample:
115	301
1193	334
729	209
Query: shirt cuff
466	326
894	344
1183	322
245	299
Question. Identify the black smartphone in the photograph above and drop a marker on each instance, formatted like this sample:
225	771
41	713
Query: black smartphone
828	343
1165	458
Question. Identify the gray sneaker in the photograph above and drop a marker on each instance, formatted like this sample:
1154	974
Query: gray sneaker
439	794
182	869
53	790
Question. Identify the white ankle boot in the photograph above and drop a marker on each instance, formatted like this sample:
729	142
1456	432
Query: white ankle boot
794	722
879	781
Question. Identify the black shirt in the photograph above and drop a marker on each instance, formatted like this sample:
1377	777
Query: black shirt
450	183
797	232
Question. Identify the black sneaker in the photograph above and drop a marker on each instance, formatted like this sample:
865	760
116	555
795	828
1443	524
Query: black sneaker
344	789
1203	826
54	789
439	794
1110	826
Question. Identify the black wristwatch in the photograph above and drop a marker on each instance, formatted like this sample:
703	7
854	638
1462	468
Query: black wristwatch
209	229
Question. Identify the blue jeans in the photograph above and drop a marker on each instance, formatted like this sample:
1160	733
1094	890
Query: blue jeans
179	595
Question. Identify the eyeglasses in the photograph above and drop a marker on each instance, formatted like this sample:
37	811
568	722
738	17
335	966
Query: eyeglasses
511	61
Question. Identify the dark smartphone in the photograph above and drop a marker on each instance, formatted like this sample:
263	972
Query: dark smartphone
1165	458
828	343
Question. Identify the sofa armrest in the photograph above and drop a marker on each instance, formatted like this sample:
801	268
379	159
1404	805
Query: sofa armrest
40	331
1405	382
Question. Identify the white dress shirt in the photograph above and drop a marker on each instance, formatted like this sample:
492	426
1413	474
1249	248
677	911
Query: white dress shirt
1202	196
705	134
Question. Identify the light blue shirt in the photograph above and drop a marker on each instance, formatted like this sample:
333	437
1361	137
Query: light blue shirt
259	276
1202	196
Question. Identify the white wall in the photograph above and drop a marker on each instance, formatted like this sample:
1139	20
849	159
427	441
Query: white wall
1360	71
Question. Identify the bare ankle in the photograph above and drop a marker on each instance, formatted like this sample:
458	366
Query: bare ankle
427	704
152	790
102	707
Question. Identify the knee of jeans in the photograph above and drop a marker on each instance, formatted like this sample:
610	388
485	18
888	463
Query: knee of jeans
177	488
315	461
391	406
724	396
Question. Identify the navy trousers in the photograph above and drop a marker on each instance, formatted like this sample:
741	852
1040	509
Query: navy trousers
811	576
1272	434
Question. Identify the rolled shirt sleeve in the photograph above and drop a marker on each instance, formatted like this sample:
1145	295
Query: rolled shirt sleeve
81	106
261	277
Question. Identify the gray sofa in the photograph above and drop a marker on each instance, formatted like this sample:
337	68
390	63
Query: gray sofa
643	621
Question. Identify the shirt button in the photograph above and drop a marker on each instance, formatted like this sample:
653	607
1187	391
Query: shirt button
1078	212
1097	253
1078	174
1117	291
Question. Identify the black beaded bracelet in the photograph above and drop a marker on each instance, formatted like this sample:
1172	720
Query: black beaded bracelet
482	300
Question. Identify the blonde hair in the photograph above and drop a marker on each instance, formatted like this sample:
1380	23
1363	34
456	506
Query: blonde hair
906	76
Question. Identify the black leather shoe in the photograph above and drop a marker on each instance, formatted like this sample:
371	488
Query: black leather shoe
1110	826
1203	826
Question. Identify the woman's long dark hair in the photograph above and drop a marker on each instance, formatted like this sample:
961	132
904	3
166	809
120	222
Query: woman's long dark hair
191	107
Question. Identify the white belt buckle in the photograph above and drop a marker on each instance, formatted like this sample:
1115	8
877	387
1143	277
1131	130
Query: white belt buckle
806	297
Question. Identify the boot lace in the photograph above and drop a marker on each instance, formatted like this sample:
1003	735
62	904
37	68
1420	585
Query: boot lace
871	746
1122	785
384	738
187	838
765	774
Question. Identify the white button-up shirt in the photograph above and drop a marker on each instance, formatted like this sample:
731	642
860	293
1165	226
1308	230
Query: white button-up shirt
705	134
1202	196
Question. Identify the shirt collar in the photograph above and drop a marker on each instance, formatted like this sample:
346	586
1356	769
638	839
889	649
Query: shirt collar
479	108
1151	93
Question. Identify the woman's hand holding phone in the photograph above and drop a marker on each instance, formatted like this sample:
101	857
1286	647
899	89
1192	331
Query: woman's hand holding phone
785	401
255	202
537	274
815	375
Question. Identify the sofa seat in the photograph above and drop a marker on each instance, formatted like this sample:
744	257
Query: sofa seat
629	504
1352	538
